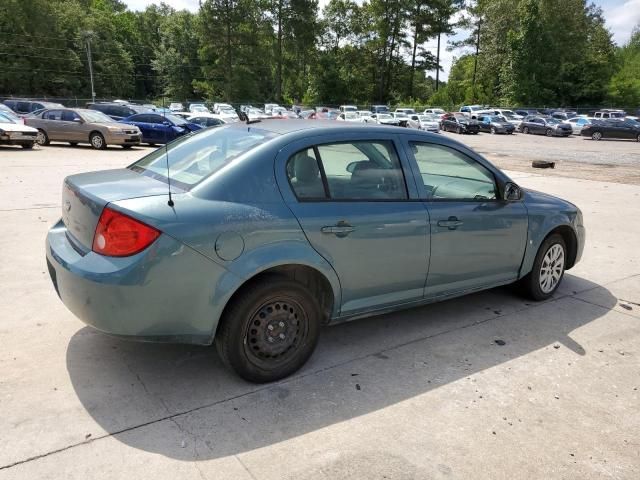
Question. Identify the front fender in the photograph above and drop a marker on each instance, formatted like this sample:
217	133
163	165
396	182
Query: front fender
540	226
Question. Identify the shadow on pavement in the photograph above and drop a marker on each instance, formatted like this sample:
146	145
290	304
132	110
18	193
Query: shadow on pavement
153	396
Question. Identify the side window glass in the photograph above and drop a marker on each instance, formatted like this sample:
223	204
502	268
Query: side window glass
69	116
450	175
304	175
53	115
362	171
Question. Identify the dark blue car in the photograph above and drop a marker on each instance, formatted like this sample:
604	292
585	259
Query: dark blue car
160	128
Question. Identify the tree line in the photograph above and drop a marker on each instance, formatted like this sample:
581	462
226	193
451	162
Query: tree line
525	52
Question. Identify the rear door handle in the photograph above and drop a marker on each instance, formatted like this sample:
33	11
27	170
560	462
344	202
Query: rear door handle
341	229
452	223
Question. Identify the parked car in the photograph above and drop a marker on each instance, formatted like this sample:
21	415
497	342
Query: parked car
541	125
348	116
495	124
79	125
206	120
176	107
427	122
198	108
25	107
578	123
406	111
268	108
117	110
365	116
525	113
160	129
402	118
612	128
218	107
7	112
229	114
379	109
459	123
605	114
307	114
347	108
14	132
256	114
435	111
276	230
385	119
471	110
511	116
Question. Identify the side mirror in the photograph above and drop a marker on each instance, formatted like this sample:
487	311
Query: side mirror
77	120
512	192
166	123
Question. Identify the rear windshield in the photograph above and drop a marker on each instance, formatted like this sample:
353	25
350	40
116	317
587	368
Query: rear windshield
192	158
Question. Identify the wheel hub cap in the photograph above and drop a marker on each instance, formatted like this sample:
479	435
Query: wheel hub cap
551	268
275	330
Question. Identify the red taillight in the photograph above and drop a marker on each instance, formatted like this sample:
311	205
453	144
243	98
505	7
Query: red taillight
118	235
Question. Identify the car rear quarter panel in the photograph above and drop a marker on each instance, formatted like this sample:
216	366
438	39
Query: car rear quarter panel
242	239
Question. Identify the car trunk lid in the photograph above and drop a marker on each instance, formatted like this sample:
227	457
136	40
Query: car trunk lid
84	196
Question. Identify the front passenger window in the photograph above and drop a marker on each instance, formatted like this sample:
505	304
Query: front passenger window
450	175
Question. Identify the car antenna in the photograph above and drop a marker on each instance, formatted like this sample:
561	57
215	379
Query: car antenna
166	156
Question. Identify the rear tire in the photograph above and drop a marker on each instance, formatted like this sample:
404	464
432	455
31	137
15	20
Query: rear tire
548	269
549	132
269	330
97	141
597	136
458	130
493	130
525	130
638	138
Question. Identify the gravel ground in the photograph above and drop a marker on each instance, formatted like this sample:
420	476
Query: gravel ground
607	160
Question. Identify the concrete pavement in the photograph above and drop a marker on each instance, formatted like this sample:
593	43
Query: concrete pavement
425	393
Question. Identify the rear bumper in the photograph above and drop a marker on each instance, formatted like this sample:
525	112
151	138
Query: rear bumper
164	293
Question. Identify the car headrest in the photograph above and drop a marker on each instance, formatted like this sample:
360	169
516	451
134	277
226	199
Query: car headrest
306	169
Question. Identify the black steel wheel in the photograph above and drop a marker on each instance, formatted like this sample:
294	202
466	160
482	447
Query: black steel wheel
269	330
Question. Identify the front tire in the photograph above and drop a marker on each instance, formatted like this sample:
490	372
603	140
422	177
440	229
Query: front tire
97	141
493	130
548	269
269	330
638	138
41	138
458	130
597	136
525	130
549	132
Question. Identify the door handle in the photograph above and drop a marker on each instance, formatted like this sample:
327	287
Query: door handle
341	229
452	223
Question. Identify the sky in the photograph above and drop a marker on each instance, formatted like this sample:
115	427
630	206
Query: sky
620	15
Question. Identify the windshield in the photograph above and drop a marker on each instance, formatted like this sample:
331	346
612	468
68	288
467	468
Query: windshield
401	115
94	116
384	116
5	118
553	121
496	118
192	158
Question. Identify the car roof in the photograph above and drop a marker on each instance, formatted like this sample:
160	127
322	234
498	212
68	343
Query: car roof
282	127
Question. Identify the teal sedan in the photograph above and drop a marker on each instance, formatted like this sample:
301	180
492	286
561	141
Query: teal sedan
253	236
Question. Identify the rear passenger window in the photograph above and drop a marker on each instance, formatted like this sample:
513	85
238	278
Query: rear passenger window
304	175
348	171
53	115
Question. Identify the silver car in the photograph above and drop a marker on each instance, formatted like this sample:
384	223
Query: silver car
78	125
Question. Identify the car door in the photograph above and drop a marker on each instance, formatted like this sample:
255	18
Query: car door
357	211
142	122
159	130
477	240
51	121
72	127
